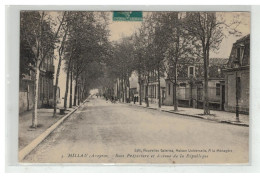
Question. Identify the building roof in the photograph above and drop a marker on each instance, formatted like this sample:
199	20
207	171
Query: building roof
218	61
242	39
215	61
245	59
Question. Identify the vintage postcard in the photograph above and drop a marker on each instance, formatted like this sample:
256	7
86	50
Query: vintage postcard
131	87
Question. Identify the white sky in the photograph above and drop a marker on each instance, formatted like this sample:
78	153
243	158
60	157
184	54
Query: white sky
127	28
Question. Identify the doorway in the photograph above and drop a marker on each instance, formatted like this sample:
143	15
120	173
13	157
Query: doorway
223	97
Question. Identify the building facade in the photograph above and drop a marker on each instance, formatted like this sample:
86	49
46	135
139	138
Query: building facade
45	91
237	76
153	88
134	90
190	84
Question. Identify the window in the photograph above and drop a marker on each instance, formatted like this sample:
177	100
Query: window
191	71
238	53
182	84
169	89
217	89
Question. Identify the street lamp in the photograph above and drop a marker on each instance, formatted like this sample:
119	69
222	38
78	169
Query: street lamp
236	62
237	65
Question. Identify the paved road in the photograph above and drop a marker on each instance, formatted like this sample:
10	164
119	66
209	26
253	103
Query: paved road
102	132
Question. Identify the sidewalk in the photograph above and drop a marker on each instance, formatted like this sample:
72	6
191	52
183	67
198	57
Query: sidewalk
45	120
218	116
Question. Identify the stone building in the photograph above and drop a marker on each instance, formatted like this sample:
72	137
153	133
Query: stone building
237	76
190	84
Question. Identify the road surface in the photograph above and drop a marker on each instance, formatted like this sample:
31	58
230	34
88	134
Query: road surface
103	132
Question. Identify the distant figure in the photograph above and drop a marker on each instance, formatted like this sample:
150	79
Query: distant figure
113	99
134	99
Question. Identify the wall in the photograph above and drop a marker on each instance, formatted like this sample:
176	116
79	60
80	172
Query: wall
23	101
25	88
243	102
184	96
213	97
168	94
45	96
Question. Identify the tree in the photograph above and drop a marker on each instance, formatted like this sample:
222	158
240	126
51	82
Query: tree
121	66
208	31
70	52
158	47
61	53
26	56
87	42
178	47
144	56
40	39
139	53
68	68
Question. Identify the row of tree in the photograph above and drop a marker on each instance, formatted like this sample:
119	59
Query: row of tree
78	39
164	41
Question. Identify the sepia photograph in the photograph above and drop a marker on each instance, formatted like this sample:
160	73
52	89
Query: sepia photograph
134	87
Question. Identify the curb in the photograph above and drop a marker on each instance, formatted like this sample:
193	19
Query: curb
196	116
30	147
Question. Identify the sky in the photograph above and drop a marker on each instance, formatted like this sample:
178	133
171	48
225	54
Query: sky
127	28
120	29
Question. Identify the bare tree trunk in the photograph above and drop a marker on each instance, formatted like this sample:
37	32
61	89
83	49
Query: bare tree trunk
206	63
129	91
58	71
123	87
123	93
175	89
48	92
71	80
140	89
67	85
159	88
83	97
79	91
56	87
75	93
36	90
117	89
120	89
28	100
125	84
146	92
